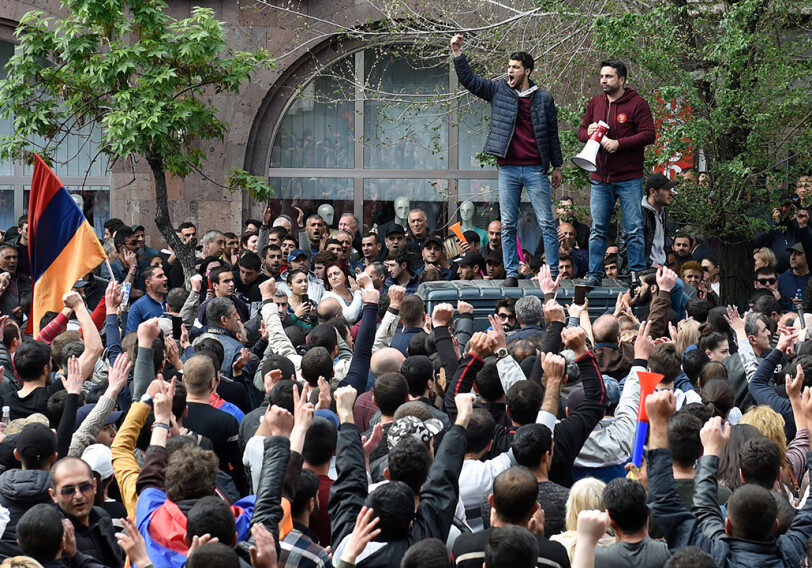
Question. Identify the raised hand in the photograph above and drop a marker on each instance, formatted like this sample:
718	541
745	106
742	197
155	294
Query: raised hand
345	399
481	345
666	279
546	282
74	380
575	338
643	344
554	367
362	534
132	543
117	376
714	436
497	333
112	297
263	555
442	314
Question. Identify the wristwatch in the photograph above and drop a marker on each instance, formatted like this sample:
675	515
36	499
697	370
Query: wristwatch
501	353
146	398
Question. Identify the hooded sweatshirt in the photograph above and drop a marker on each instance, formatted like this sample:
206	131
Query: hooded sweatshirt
631	124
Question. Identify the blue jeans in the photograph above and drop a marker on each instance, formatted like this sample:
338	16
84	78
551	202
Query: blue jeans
602	205
534	179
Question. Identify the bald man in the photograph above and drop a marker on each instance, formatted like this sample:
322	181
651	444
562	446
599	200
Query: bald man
386	360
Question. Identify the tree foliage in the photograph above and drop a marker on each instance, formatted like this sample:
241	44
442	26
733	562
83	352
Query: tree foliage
738	70
141	76
741	70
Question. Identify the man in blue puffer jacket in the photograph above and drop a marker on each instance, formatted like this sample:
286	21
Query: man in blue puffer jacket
524	139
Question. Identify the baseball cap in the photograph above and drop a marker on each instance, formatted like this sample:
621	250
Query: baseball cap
434	240
472	237
412	426
495	256
81	283
100	459
659	181
137	227
296	253
328	414
395	229
797	247
36	442
471	258
83	411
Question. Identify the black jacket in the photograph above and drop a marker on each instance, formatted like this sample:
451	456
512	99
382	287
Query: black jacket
649	226
438	497
19	491
681	528
99	537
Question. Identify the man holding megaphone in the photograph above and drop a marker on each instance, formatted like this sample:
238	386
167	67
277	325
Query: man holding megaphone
524	139
617	171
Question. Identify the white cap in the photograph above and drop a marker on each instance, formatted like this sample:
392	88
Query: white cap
100	459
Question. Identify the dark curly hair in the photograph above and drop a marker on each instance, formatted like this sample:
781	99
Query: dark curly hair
191	473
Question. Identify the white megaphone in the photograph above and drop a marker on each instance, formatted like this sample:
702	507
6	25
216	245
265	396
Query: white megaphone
586	159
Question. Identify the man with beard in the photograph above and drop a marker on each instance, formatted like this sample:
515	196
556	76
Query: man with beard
434	257
794	279
524	138
371	248
315	231
650	288
566	214
619	171
153	303
682	248
659	193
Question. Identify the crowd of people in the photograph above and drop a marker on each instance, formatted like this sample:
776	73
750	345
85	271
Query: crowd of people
296	405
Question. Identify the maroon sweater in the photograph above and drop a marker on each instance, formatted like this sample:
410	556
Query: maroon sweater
523	150
630	123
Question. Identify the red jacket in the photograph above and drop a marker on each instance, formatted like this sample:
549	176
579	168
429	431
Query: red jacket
630	123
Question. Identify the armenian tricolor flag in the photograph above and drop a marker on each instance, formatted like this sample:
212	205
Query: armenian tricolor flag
61	243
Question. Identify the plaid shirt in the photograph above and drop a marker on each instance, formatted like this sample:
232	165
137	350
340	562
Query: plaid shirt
300	549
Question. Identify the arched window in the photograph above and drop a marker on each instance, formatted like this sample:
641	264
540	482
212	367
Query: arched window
376	125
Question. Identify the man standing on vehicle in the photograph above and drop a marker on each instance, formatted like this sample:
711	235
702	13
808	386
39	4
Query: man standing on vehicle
620	166
524	139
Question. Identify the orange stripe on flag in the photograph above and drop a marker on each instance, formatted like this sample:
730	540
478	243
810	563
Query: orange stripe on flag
83	253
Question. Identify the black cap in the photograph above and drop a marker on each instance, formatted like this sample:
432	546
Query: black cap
395	229
472	258
472	237
659	181
36	442
495	256
435	240
797	247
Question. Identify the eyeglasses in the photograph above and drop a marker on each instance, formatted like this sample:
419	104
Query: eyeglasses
766	281
70	490
506	316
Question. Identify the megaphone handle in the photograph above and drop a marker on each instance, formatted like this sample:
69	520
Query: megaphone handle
639	443
589	179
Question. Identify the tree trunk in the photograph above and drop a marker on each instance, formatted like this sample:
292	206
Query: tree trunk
736	270
184	254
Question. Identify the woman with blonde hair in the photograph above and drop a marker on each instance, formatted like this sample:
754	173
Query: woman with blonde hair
585	495
687	335
764	257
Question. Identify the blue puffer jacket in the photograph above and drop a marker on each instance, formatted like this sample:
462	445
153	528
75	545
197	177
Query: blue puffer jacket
504	108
